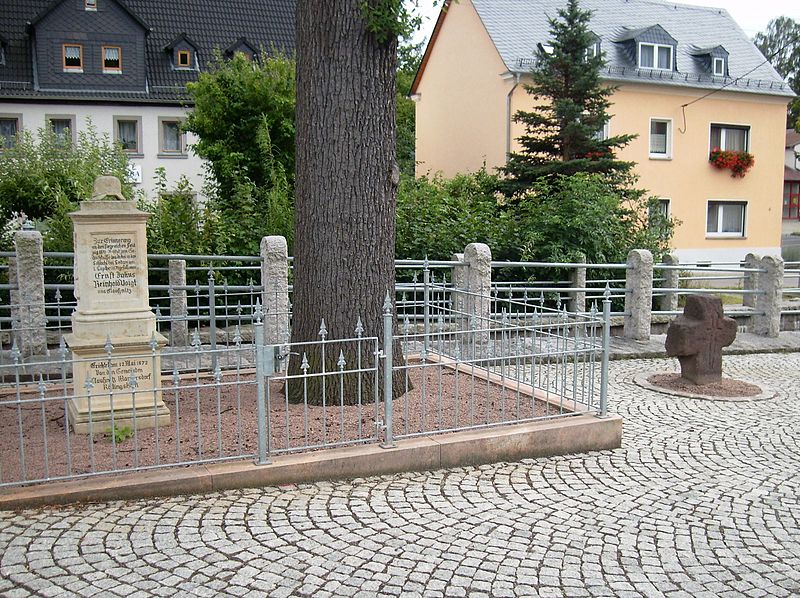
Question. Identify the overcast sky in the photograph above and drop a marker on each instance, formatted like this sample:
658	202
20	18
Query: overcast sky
752	15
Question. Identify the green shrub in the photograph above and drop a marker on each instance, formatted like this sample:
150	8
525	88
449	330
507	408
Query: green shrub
44	178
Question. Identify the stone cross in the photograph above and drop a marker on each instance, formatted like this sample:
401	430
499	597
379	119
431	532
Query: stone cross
697	337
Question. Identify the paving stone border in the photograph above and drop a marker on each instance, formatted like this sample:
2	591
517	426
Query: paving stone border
642	380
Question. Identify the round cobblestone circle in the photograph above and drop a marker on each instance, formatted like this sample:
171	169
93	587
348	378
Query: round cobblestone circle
701	501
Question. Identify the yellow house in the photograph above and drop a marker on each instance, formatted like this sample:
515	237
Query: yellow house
689	81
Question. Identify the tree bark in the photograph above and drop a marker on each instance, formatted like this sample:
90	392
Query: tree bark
346	185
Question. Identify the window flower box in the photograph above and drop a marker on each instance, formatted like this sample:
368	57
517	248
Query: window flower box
737	162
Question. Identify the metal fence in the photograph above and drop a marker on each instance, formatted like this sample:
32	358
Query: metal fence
443	362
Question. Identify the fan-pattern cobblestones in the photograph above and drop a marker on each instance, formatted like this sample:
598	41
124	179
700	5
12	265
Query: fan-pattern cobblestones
701	501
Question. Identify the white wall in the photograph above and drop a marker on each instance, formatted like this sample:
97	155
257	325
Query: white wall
102	116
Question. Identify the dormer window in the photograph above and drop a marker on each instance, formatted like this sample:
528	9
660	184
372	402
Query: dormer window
184	58
593	51
112	59
90	4
719	67
72	57
655	56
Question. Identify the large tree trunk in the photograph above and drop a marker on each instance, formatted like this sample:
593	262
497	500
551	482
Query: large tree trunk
346	187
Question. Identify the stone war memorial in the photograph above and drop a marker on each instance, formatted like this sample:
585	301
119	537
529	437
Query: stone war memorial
697	338
117	364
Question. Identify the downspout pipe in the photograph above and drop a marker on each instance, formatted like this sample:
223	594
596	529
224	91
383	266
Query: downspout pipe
509	116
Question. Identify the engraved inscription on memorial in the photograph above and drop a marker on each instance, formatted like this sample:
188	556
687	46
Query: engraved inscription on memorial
117	378
114	264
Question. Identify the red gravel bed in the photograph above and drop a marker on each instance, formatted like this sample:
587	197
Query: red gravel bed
200	430
728	387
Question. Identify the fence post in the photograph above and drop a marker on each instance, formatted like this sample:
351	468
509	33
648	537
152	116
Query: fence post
768	302
32	332
275	289
478	301
388	400
577	299
750	281
212	318
178	304
606	353
459	283
426	305
672	280
264	429
639	295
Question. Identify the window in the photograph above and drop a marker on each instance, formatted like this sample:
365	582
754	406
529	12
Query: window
112	59
184	59
73	57
90	4
126	131
791	200
730	138
659	210
660	138
603	133
9	128
172	141
655	56
593	51
726	218
719	67
63	126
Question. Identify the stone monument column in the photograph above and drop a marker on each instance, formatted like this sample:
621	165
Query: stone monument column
113	304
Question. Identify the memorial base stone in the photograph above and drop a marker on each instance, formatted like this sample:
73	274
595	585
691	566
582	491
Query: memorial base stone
112	403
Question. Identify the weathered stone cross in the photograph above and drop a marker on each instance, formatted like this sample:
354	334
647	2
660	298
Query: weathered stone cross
697	337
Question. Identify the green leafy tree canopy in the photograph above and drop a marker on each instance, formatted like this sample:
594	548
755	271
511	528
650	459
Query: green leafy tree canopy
780	44
238	103
563	131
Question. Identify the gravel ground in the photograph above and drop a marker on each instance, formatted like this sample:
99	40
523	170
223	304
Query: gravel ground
210	422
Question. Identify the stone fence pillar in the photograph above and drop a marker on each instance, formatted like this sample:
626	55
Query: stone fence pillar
770	281
750	280
639	295
32	322
477	303
178	304
577	299
672	279
275	294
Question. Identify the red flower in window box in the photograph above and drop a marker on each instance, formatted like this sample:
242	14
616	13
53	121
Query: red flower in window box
737	162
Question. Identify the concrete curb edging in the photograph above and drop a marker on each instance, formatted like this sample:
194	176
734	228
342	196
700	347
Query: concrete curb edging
568	435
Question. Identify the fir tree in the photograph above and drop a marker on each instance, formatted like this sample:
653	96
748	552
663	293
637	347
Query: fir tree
563	130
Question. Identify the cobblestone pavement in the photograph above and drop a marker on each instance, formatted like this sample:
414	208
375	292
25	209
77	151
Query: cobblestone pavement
702	501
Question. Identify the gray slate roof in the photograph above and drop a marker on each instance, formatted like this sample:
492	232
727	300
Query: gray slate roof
210	24
516	26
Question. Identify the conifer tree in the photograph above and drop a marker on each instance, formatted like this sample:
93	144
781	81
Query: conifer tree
563	132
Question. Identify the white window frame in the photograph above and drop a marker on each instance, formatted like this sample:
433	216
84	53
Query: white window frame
11	116
724	126
718	61
605	132
593	50
728	235
667	155
655	47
